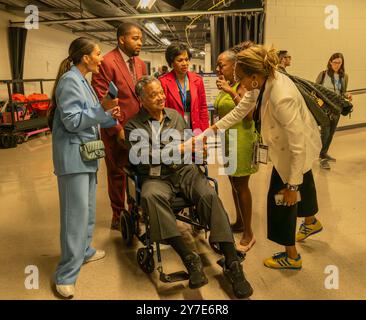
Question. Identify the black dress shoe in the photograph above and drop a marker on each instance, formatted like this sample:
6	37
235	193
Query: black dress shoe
197	277
235	275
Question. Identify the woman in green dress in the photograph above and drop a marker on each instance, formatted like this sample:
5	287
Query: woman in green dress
230	95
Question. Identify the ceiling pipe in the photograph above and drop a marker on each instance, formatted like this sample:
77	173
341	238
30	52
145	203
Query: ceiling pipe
144	16
7	7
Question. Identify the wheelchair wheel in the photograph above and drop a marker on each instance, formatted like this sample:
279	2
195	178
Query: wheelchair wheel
126	227
145	259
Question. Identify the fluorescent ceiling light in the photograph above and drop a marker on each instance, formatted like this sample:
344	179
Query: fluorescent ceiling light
165	41
153	28
145	4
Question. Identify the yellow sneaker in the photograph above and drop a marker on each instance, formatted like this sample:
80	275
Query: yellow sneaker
282	261
307	230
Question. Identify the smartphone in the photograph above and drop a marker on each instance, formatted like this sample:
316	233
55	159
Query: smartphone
113	91
279	198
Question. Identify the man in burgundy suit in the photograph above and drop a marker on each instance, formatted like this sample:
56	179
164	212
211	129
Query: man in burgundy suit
124	68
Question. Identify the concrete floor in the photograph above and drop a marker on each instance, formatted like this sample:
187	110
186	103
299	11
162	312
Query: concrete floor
29	235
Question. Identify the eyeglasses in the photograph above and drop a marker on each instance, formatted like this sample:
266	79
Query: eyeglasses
287	57
336	62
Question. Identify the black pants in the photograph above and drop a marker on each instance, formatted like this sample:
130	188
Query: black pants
327	134
281	220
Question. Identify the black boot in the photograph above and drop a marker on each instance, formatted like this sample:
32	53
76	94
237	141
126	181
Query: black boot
197	278
235	275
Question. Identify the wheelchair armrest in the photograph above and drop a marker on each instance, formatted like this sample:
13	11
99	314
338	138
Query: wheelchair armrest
129	171
216	186
132	175
205	168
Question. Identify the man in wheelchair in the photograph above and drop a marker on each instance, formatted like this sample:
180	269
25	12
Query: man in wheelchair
162	182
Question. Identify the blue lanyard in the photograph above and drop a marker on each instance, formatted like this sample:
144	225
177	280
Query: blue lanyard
183	91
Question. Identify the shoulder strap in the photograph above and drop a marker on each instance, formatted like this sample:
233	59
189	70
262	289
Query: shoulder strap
257	110
323	77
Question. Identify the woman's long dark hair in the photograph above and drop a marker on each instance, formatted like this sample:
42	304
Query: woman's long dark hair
78	49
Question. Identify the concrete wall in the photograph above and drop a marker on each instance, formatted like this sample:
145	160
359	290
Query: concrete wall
299	26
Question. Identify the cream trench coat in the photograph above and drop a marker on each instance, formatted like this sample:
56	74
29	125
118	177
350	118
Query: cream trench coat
288	128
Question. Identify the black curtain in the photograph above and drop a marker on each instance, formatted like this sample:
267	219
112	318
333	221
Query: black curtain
231	30
17	39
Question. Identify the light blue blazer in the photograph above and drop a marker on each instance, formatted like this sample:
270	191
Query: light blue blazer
77	117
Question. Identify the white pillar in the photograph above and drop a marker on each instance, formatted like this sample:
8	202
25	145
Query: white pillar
208	66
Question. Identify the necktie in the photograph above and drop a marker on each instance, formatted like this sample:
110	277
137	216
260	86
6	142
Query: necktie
131	66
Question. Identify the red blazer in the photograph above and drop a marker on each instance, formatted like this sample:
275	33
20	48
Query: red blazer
199	112
114	68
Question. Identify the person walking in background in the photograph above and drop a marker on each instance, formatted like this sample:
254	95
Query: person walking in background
284	60
158	73
74	116
333	78
122	66
230	95
290	140
184	90
164	70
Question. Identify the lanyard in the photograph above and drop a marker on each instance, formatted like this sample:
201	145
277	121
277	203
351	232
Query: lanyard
257	112
183	91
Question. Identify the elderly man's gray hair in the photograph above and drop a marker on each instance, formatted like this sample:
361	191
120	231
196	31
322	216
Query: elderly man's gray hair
230	55
142	83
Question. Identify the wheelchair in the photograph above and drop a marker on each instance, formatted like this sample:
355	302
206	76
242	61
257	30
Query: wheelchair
132	219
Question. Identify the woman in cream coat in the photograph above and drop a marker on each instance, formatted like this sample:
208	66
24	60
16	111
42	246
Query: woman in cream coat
291	134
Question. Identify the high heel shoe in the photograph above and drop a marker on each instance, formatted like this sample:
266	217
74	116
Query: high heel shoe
246	248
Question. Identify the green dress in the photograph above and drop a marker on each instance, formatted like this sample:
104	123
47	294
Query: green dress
246	136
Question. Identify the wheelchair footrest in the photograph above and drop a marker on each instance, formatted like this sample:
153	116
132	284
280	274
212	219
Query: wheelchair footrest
174	277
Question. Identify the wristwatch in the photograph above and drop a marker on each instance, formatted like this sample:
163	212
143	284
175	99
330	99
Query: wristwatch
292	187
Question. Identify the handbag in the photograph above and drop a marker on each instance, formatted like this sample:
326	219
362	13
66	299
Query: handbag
323	103
92	150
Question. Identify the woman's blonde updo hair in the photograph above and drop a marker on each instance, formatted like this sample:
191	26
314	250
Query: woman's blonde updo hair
258	60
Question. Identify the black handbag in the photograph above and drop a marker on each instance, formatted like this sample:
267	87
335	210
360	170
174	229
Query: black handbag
324	104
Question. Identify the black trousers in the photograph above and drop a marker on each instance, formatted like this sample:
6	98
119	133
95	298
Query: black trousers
281	220
327	134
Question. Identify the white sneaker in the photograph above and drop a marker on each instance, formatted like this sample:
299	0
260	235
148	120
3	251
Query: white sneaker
66	290
99	254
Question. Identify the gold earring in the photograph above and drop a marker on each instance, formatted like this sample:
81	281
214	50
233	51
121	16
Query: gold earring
255	84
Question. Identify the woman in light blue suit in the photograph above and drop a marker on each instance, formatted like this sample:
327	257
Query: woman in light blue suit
75	117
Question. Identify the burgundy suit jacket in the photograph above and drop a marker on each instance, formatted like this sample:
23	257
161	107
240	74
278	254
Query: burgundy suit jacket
199	112
114	68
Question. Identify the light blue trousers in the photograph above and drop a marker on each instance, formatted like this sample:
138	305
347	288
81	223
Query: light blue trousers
77	208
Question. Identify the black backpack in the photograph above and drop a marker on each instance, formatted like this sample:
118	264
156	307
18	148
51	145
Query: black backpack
324	104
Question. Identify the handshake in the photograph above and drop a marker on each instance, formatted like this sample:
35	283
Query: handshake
197	146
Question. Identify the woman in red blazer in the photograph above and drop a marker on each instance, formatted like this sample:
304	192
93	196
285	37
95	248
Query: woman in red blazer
184	90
